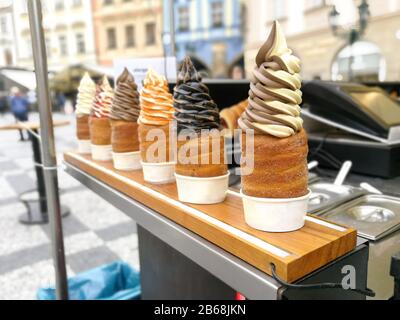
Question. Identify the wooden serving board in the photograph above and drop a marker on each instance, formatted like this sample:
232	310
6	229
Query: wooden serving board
294	254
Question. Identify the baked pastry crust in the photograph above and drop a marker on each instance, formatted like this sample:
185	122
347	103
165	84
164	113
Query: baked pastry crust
155	157
201	164
82	127
100	131
280	167
230	116
124	136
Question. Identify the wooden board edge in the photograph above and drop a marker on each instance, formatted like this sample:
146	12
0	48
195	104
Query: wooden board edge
258	258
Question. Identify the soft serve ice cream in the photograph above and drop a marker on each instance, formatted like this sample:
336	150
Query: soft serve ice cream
100	128
124	115
275	190
155	127
86	93
156	101
275	95
201	172
103	99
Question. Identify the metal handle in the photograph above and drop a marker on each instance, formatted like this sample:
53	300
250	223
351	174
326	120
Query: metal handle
344	171
367	187
312	165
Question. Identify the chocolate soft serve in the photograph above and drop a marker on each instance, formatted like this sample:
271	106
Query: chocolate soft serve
275	95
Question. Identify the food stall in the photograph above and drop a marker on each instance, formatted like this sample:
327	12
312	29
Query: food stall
194	249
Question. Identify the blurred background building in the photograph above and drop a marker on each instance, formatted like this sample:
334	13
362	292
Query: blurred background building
8	49
211	32
221	36
127	29
69	33
309	33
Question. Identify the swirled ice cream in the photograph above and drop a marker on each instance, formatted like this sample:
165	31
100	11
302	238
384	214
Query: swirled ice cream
103	99
126	104
156	101
194	108
86	93
275	95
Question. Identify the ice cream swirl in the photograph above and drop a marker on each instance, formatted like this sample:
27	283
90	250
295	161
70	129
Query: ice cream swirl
274	95
194	108
126	104
86	93
103	99
156	101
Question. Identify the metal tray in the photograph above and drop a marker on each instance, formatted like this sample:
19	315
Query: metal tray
374	216
327	196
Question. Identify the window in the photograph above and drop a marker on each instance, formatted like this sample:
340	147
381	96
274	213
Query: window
217	14
130	36
76	3
279	9
80	43
63	45
361	62
150	34
183	22
59	5
3	25
111	38
108	2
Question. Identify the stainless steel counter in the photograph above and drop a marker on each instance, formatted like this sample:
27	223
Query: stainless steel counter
232	271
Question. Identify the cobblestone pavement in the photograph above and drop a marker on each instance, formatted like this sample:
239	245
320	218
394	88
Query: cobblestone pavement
95	233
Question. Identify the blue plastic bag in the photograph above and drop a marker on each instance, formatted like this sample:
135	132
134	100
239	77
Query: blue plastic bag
116	281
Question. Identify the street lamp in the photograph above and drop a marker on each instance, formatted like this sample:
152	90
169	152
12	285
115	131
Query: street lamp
356	31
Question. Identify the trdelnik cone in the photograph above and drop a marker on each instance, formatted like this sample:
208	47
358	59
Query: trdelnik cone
100	128
275	194
86	93
124	116
201	170
156	130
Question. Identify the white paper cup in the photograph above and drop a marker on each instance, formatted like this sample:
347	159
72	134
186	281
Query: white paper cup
101	153
127	161
159	173
275	215
84	147
202	190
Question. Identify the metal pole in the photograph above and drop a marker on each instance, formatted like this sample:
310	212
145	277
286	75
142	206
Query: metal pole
172	26
48	146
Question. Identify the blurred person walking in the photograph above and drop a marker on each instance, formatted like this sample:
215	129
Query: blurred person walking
19	107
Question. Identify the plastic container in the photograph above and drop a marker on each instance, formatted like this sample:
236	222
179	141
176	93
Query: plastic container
127	161
101	153
202	190
159	173
116	281
275	215
84	147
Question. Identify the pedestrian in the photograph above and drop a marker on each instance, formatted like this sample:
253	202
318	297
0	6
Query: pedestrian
19	107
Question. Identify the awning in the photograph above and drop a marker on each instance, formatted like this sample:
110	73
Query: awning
24	78
108	71
67	80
